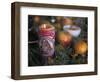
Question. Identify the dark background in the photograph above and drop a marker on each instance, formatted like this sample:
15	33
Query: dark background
62	55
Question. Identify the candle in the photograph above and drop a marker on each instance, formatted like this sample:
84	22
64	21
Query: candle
47	39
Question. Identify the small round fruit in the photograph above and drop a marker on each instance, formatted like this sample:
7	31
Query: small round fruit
81	47
37	19
68	21
58	18
64	38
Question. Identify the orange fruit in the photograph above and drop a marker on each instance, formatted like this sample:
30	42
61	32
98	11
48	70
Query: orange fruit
64	38
81	47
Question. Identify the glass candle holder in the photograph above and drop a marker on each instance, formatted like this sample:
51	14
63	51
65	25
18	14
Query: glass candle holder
47	40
